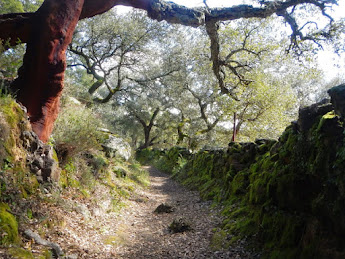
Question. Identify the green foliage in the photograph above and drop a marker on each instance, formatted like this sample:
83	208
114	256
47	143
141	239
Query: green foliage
77	130
19	6
219	240
170	160
11	6
267	104
147	155
69	176
17	252
31	5
10	61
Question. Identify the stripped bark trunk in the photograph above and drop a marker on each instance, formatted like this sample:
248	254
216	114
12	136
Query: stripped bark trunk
40	79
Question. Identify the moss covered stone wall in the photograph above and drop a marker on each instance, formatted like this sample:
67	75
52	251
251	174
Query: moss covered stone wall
288	195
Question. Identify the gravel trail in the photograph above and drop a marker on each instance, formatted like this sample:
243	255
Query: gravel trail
145	234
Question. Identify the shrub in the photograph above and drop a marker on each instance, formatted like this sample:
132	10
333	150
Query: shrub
76	130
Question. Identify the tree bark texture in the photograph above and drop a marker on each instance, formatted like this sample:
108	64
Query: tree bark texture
40	79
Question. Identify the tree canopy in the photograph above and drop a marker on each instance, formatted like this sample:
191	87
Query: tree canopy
192	110
49	30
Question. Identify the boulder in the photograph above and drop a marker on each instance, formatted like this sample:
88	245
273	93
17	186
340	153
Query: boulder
309	115
337	95
116	146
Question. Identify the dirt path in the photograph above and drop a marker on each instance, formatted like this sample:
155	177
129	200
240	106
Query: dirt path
86	229
145	234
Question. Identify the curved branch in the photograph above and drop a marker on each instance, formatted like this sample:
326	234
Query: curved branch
212	31
14	26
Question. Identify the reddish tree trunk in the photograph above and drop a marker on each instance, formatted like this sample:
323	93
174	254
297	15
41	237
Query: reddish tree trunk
234	133
40	81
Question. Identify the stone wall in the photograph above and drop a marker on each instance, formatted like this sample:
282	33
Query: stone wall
287	195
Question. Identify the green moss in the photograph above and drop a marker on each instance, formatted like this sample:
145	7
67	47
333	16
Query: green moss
8	226
14	114
55	156
258	188
272	191
11	116
73	182
210	189
282	233
240	183
245	221
29	214
235	147
286	134
20	253
289	141
30	184
220	240
85	193
328	116
45	254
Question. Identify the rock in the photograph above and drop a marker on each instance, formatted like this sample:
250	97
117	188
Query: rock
179	226
337	95
31	142
82	209
40	158
164	208
115	146
308	115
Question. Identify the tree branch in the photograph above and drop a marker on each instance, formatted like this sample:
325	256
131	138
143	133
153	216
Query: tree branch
14	26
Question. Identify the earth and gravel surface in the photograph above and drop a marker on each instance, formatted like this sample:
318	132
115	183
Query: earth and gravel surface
137	232
146	234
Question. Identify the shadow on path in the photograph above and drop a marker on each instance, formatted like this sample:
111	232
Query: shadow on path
145	233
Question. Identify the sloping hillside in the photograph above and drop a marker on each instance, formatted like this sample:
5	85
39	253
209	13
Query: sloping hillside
49	210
